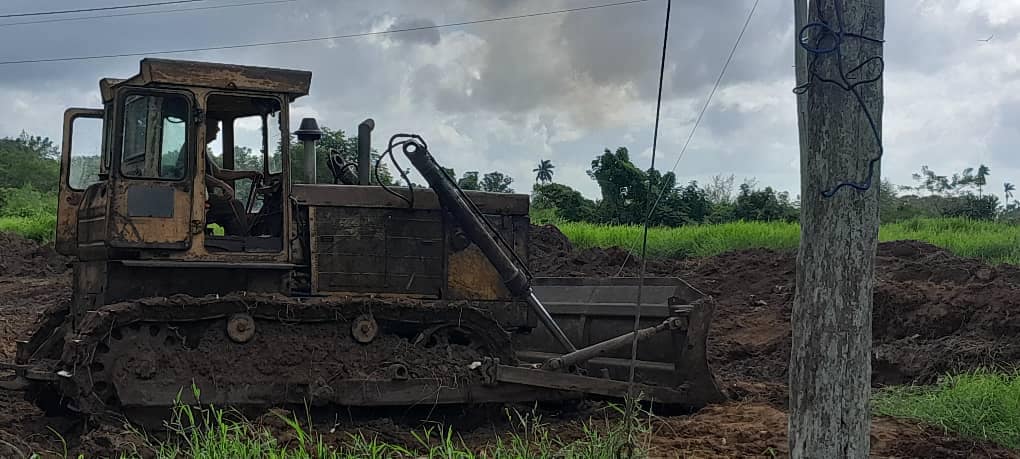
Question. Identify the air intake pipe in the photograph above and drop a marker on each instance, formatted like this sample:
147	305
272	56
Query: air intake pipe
308	133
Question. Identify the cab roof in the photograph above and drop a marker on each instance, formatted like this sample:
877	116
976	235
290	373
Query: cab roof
231	77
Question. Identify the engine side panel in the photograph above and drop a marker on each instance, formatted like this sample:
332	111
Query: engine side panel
371	250
420	251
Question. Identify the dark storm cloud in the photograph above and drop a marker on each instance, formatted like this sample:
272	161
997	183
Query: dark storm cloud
132	34
559	86
625	46
534	63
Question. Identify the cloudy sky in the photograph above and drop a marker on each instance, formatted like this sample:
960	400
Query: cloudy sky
504	95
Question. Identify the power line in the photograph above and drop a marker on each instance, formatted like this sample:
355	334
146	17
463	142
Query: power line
141	13
697	122
334	37
104	8
644	244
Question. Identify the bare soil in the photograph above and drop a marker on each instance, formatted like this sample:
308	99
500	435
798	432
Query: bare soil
934	312
23	257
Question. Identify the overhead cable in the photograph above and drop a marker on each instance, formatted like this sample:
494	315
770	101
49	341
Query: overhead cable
333	37
143	13
644	244
690	136
102	8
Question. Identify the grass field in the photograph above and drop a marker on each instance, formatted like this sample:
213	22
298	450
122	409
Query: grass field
208	432
991	241
38	228
978	405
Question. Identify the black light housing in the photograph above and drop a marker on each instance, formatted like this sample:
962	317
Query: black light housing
309	130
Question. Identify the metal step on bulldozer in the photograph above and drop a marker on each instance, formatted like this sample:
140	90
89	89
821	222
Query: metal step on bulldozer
206	255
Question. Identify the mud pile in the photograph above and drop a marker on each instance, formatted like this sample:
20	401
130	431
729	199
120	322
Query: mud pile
552	254
24	257
934	312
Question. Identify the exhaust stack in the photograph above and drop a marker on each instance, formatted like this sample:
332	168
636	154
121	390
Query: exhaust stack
365	151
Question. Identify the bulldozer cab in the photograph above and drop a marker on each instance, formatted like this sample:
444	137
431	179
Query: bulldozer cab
184	160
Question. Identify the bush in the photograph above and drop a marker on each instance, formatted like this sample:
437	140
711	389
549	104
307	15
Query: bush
971	206
567	203
27	202
40	228
764	205
29	213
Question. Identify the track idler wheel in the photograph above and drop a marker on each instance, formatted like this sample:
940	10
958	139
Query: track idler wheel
364	329
241	328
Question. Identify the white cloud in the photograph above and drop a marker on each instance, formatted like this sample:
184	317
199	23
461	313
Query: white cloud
502	96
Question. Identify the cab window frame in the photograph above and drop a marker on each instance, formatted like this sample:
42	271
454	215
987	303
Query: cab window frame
67	181
190	131
282	132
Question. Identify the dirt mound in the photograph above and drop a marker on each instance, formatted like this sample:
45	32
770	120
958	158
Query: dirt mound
934	312
551	254
24	257
756	430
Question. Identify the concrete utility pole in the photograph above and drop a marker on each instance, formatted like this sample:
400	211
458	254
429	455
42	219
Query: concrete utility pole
830	365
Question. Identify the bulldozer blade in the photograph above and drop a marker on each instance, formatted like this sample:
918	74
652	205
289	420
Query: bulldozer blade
593	310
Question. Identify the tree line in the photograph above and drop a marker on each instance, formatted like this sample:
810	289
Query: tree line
29	168
628	193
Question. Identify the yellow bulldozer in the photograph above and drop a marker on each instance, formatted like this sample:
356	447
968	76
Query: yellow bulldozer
205	254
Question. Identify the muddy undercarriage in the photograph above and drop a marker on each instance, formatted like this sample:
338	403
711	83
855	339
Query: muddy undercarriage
262	351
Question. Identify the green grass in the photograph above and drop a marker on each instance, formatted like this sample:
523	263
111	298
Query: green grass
992	241
28	212
980	405
692	240
39	228
207	432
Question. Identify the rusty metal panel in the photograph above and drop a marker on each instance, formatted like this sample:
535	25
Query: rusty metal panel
151	232
145	201
377	197
378	250
224	76
69	199
92	213
90	285
592	310
470	274
106	88
522	235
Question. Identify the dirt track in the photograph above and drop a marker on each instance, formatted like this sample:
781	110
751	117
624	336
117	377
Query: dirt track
934	312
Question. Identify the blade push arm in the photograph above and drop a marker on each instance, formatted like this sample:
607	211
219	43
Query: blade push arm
471	222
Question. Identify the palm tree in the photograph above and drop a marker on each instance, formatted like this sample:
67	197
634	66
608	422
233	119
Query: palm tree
981	179
1007	190
544	171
